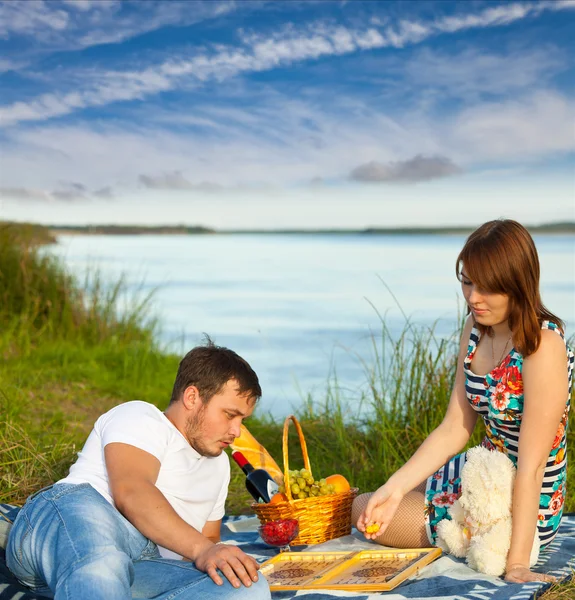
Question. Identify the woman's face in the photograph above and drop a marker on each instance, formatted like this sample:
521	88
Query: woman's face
487	308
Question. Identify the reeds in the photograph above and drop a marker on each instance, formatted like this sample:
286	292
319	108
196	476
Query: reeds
27	464
69	352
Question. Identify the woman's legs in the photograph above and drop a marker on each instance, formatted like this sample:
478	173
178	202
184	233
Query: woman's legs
407	528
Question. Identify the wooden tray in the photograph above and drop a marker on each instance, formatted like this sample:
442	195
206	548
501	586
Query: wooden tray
364	571
298	570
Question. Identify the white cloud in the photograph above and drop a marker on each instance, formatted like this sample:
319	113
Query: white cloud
27	18
85	5
66	192
561	4
416	169
69	195
19	193
491	17
9	64
111	87
533	126
76	24
258	54
472	73
281	142
176	181
106	193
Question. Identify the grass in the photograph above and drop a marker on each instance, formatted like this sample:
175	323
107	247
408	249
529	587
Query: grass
69	354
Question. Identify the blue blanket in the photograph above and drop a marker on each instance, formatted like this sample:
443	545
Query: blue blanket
447	578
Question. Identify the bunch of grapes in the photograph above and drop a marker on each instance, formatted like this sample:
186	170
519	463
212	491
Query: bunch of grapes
303	485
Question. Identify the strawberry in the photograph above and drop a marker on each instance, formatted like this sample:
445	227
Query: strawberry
280	532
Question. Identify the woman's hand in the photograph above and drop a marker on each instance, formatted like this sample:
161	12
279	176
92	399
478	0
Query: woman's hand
380	510
522	574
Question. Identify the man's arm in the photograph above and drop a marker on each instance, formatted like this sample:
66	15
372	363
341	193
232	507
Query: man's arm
132	474
213	531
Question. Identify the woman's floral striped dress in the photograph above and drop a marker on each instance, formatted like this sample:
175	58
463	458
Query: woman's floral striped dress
498	398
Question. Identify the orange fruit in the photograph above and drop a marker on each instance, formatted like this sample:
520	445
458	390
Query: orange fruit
339	482
279	497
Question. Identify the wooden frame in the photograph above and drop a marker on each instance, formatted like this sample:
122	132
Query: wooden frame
364	571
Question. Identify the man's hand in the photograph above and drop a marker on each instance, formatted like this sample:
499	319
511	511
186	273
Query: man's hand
521	574
236	565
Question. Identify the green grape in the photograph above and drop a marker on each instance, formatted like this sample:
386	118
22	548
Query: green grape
301	495
295	489
322	482
305	473
301	482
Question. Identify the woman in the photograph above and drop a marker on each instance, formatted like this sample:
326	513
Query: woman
515	370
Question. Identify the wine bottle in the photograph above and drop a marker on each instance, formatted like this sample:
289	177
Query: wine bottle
258	482
256	454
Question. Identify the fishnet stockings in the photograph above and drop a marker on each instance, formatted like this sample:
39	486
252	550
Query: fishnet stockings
407	529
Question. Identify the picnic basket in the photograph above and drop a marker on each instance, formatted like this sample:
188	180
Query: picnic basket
321	518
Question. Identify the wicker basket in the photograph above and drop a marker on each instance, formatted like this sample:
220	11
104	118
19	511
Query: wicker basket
321	518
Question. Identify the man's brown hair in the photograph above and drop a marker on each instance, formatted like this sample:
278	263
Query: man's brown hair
209	368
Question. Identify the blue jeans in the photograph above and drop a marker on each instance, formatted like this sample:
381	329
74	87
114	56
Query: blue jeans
69	543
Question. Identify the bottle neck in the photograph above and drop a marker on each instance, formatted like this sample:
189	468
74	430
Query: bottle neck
243	463
247	469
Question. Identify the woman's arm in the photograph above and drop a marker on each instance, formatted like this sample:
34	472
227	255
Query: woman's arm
449	438
545	387
442	443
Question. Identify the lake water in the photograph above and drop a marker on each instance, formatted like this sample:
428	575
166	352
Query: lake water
299	306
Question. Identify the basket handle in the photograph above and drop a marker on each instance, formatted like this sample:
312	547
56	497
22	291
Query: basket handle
285	452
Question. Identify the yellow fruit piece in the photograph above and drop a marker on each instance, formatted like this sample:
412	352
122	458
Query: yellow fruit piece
373	528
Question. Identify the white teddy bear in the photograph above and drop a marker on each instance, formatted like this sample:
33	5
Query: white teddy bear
480	526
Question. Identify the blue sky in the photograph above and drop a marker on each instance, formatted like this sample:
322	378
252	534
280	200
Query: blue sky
287	114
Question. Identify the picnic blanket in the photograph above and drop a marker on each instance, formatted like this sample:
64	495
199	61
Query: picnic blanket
447	578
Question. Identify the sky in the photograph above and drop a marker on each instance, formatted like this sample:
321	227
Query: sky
287	114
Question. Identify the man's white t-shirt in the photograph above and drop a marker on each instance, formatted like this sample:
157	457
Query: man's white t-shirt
196	486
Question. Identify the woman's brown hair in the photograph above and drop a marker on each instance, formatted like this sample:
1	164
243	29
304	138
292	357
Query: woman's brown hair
500	257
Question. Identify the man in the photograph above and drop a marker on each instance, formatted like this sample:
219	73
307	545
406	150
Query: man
147	490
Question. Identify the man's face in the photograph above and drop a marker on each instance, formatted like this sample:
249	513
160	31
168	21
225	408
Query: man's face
215	425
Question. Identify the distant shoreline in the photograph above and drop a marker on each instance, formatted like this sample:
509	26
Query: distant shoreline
551	228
